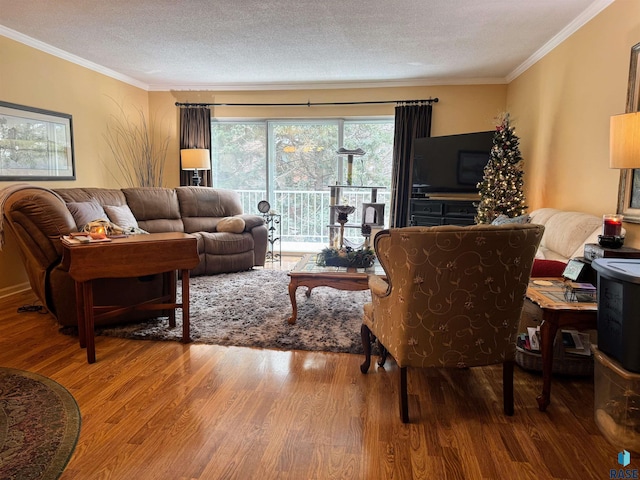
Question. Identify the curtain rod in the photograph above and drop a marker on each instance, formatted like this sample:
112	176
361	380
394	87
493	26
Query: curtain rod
308	104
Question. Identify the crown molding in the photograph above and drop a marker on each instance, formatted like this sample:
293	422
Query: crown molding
594	9
56	52
419	82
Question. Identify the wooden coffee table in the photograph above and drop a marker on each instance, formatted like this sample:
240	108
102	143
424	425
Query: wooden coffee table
308	274
133	256
547	294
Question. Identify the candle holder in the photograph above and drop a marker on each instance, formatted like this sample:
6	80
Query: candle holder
611	231
97	232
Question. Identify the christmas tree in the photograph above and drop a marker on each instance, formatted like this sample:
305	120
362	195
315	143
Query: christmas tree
501	188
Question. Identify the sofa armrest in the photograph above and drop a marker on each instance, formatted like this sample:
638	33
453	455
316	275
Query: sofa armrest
251	221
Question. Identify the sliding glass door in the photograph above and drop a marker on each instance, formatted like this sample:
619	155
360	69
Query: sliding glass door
303	160
291	163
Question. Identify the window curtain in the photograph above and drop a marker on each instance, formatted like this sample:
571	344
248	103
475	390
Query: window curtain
195	132
411	121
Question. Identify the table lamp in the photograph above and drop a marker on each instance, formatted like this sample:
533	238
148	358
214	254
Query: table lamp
624	141
624	152
195	159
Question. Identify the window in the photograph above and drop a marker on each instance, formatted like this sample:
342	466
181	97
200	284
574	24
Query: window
291	163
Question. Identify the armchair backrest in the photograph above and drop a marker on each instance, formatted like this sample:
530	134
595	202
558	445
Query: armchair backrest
455	294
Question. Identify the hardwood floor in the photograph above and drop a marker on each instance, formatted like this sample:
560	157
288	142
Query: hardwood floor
164	410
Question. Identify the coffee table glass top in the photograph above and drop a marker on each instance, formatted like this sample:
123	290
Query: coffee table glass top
307	264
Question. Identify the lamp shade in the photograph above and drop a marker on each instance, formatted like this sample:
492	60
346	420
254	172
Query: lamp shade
624	141
195	159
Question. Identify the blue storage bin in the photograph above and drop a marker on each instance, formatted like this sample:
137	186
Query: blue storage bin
619	309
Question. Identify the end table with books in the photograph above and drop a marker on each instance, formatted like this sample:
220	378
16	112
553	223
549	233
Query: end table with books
558	310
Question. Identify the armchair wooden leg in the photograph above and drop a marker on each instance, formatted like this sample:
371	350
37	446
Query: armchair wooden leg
383	355
507	387
404	399
365	334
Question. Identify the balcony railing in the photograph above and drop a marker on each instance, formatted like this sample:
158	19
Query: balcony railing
305	213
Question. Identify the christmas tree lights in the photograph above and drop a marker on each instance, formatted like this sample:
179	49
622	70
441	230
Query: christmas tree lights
501	188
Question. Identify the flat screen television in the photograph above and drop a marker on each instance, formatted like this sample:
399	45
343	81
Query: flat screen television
451	163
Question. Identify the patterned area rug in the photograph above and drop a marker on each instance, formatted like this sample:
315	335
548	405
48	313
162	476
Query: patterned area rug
250	309
39	426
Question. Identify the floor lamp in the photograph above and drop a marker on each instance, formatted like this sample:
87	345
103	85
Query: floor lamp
195	159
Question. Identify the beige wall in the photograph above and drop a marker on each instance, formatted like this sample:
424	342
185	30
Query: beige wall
561	108
36	79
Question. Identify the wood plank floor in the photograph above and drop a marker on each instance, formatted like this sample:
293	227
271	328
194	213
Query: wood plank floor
163	410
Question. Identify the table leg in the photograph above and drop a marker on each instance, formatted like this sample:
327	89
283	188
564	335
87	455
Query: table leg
89	324
82	335
548	330
169	287
293	286
186	325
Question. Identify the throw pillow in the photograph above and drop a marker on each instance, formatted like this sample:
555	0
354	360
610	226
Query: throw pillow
503	219
231	224
121	215
547	268
85	212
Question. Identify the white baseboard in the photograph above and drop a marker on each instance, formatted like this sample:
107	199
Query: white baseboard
14	290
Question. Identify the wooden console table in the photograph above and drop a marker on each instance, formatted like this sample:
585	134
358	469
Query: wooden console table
548	295
133	256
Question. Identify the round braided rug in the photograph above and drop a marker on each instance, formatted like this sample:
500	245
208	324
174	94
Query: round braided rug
39	426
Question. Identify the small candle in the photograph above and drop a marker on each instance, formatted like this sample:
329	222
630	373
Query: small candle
97	233
612	225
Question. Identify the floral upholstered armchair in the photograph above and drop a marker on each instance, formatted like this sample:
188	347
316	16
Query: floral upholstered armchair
452	298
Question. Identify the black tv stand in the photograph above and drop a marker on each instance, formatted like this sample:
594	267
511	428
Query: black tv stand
443	209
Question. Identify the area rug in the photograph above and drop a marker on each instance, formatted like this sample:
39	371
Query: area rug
250	309
39	426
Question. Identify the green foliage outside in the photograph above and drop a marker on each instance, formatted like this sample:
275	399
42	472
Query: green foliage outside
300	157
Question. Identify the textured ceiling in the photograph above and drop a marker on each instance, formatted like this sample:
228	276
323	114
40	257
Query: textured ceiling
204	44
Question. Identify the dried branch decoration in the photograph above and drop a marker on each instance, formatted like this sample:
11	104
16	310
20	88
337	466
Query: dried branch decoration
140	160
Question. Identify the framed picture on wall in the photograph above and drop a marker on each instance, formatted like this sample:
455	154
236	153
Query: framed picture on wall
629	188
35	144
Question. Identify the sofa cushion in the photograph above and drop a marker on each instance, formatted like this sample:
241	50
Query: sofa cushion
156	209
503	219
565	232
85	212
230	224
104	196
121	215
547	268
223	243
208	202
202	207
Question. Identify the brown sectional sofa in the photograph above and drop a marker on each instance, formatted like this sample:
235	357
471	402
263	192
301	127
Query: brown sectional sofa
38	216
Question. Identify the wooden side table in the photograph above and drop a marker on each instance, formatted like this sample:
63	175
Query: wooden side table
548	295
133	256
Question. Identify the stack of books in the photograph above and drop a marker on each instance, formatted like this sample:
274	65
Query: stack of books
576	343
529	341
573	341
579	292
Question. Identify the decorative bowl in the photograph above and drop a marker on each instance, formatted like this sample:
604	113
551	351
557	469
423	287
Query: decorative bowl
346	257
